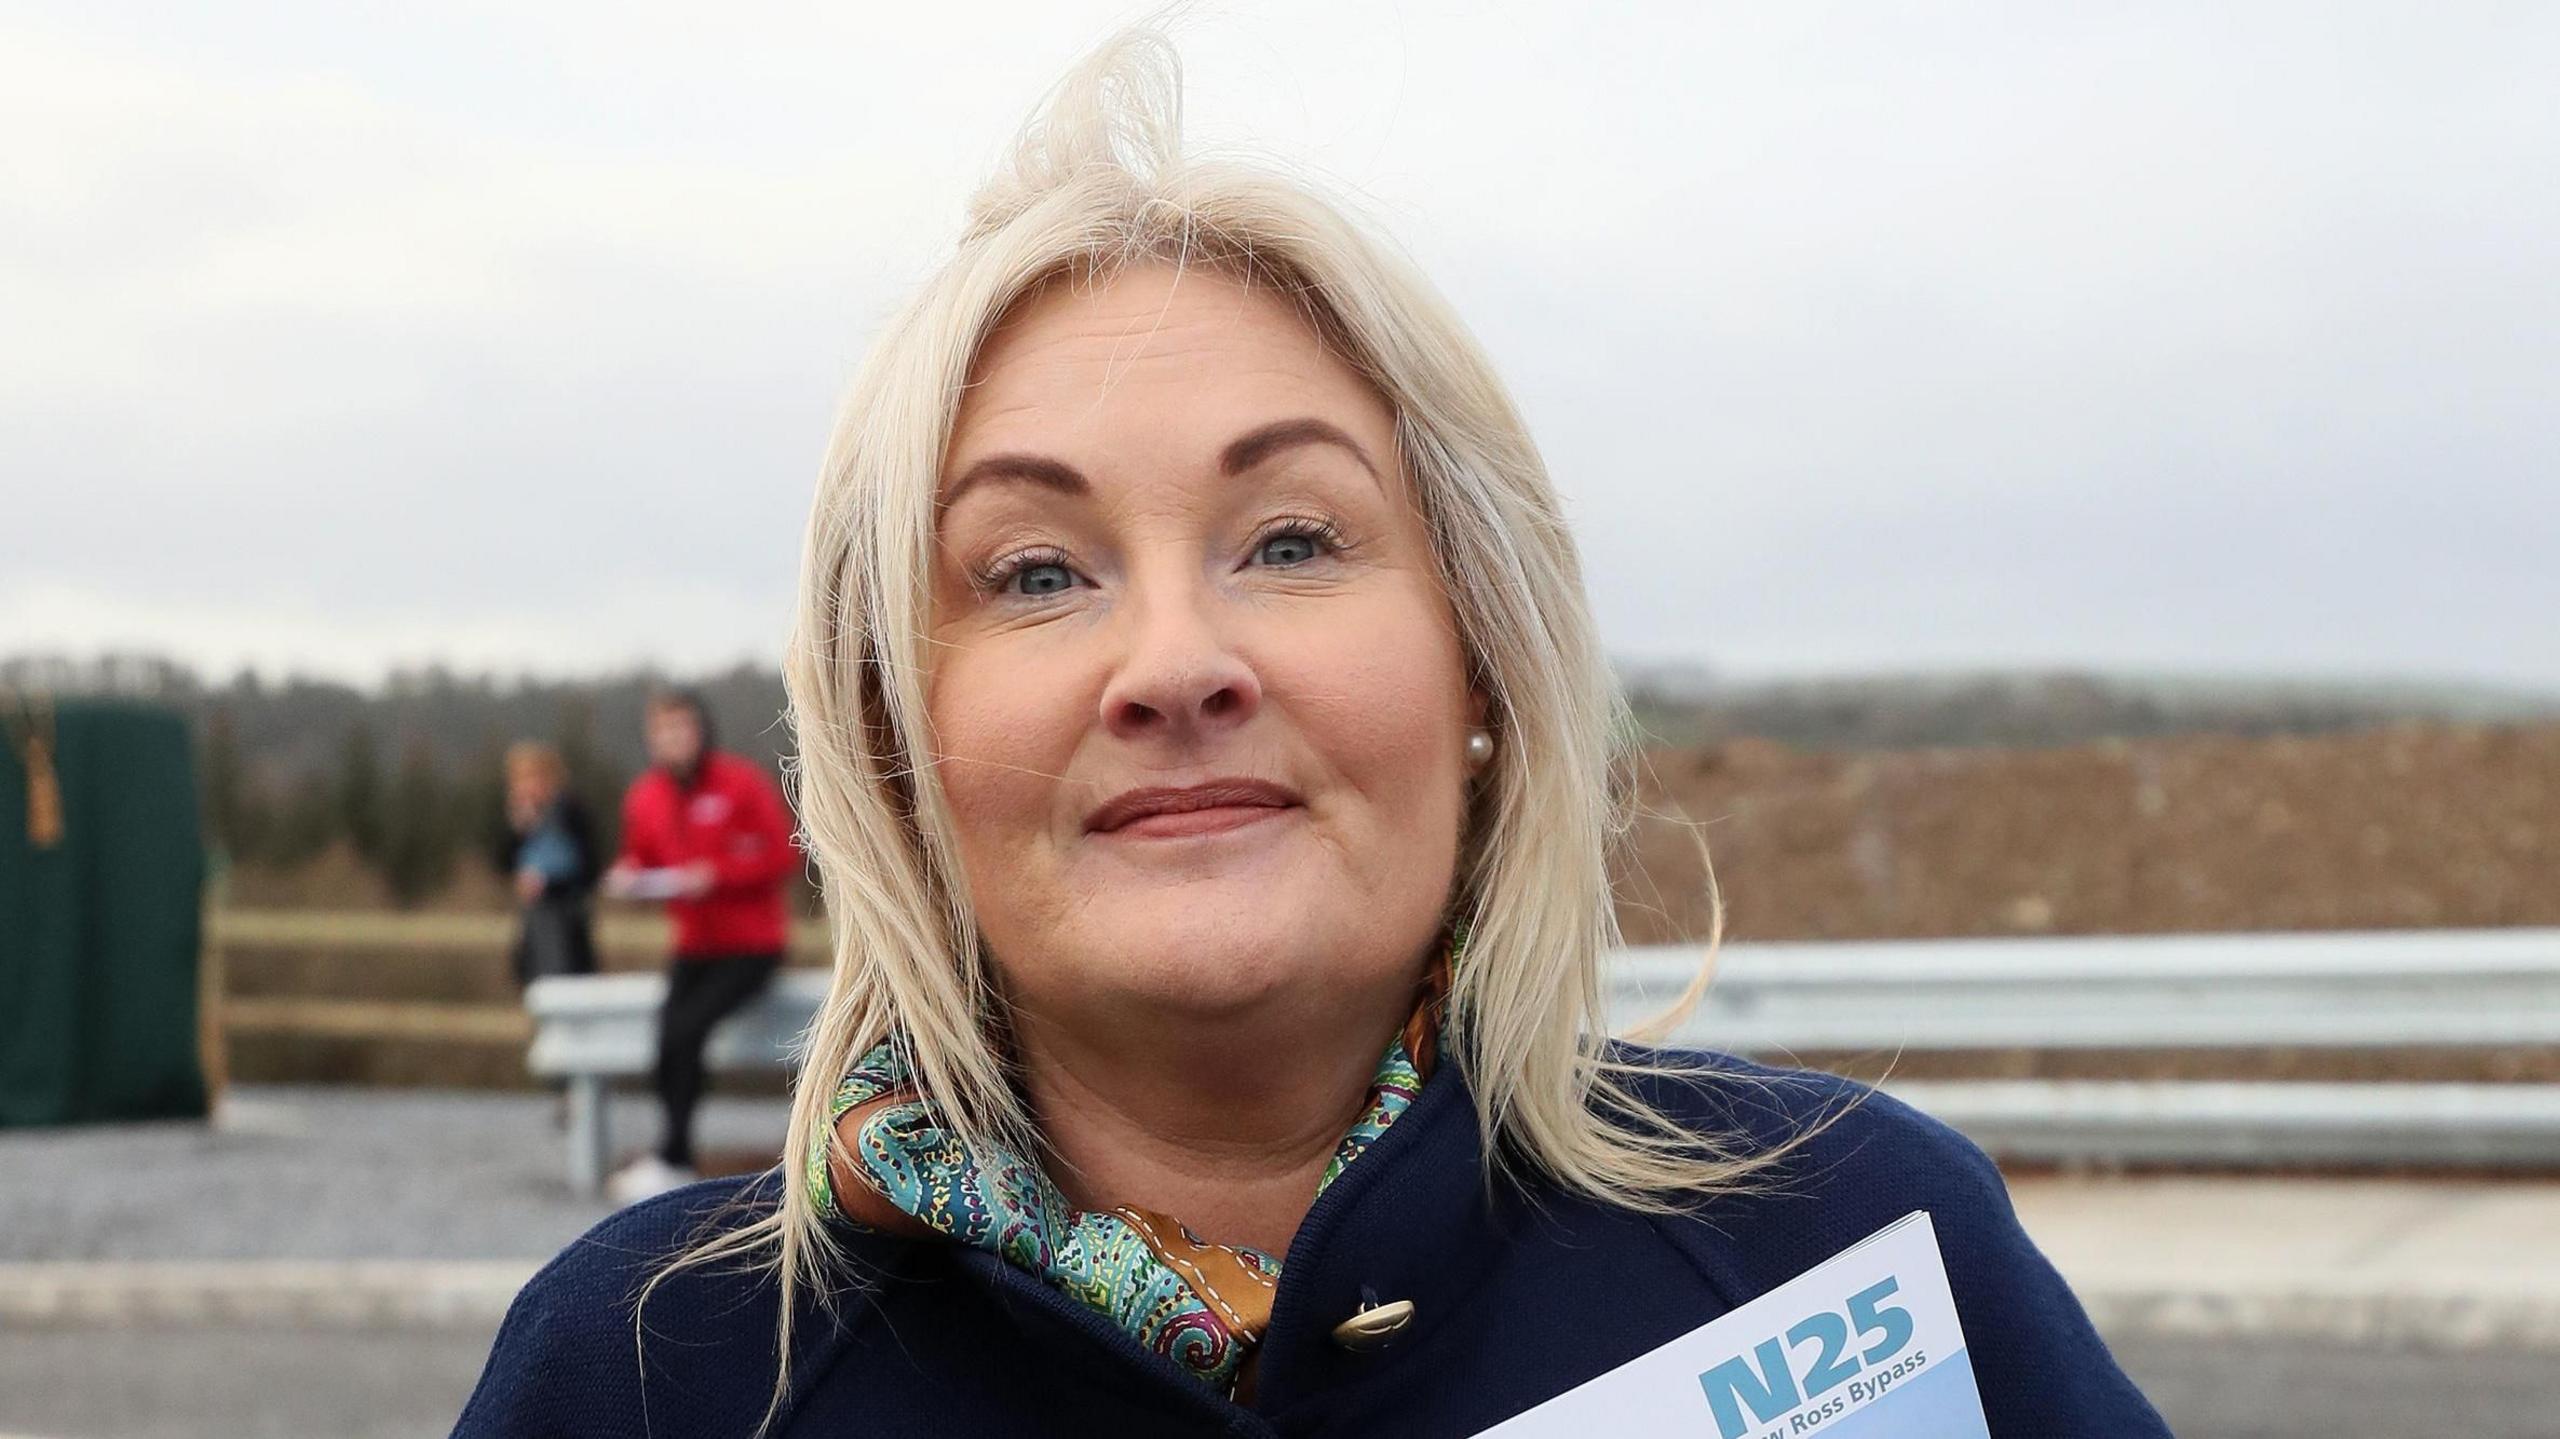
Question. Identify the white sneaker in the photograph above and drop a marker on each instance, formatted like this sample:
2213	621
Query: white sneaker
646	1178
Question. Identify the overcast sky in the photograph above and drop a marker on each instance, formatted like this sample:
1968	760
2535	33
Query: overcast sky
2149	337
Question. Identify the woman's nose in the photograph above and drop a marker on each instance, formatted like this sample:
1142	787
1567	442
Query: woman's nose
1181	679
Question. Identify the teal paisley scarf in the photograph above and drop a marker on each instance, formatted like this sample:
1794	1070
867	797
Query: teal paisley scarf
1201	1305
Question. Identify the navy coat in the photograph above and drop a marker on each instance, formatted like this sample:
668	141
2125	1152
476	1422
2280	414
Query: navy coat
1519	1294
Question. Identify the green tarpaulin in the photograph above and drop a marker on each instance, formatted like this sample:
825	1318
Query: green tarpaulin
99	929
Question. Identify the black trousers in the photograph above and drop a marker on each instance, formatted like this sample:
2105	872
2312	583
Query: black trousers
701	992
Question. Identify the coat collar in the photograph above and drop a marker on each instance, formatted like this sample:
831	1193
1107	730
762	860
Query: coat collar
1412	1221
1415	1221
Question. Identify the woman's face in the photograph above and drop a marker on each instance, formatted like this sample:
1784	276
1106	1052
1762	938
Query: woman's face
1198	699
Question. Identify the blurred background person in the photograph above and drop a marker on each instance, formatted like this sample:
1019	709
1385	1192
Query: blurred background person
707	833
549	851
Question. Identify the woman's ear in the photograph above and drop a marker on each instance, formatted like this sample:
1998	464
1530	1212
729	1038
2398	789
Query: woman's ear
1479	705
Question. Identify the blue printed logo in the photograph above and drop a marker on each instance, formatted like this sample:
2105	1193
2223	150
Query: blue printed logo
1769	1383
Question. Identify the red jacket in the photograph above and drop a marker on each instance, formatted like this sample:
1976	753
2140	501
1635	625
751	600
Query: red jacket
732	816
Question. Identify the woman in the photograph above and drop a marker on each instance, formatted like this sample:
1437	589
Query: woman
548	852
1209	761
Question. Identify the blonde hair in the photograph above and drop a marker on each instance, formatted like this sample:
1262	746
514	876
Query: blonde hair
1098	181
534	757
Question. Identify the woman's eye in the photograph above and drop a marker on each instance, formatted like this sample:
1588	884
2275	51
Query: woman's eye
1292	547
1044	578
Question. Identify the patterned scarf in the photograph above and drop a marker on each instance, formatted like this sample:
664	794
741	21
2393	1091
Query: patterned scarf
1201	1305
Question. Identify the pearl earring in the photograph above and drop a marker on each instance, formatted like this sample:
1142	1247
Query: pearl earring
1479	748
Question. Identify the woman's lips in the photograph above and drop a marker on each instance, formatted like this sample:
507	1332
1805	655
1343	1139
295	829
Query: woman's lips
1197	821
1208	808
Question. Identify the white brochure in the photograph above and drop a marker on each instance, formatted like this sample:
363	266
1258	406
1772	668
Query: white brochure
1864	1345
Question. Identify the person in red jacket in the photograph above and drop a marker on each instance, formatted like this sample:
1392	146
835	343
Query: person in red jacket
709	834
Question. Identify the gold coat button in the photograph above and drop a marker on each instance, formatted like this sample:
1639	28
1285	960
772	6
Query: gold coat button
1374	1327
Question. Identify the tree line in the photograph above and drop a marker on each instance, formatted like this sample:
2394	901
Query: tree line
412	816
408	776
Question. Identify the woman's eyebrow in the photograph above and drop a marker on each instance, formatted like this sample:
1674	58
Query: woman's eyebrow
1039	470
1263	441
1241	454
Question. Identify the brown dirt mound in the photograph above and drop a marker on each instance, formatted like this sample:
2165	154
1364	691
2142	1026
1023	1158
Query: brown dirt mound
2396	828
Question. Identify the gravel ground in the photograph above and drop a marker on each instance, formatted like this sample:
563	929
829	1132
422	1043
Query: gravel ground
317	1173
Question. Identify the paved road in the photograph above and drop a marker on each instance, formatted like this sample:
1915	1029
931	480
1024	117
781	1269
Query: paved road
240	1384
2270	1389
288	1384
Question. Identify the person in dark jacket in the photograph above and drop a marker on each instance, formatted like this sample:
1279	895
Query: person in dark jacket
548	852
1208	757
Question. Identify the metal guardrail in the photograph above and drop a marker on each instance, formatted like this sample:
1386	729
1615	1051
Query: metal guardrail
2250	1123
2482	988
2391	990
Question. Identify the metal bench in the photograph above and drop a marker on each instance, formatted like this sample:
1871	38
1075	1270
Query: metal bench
2355	991
593	1029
